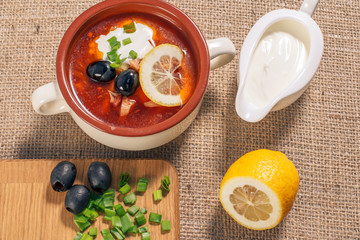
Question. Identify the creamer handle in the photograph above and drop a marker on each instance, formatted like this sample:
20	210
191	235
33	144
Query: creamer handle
48	100
221	51
309	6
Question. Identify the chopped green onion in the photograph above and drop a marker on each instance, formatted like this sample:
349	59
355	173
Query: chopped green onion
81	222
167	179
109	192
119	209
133	229
83	226
107	218
155	218
115	221
165	225
78	236
124	178
130	199
86	212
144	180
117	233
126	223
145	236
107	235
109	213
114	43
98	202
109	203
109	198
143	229
141	187
90	214
93	231
165	183
112	55
157	195
129	28
133	54
117	63
125	189
140	219
143	210
80	218
86	237
133	210
126	41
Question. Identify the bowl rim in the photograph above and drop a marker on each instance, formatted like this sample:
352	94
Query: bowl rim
85	18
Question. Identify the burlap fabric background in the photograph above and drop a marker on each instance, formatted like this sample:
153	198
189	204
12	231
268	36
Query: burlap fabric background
319	133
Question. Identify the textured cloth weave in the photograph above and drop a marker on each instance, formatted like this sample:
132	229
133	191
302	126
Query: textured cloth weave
319	132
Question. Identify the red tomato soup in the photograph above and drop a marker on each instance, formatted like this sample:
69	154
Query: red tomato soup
95	96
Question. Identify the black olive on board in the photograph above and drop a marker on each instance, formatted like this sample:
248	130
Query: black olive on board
101	71
77	199
99	176
127	82
62	176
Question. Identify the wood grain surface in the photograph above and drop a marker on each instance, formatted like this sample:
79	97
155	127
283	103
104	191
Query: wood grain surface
31	210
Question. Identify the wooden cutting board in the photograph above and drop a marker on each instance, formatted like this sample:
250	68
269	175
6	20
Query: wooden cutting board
30	209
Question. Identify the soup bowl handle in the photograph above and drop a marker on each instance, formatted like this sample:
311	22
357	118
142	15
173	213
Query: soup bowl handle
221	51
48	100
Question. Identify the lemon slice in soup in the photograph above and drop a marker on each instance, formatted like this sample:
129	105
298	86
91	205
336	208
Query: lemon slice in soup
158	75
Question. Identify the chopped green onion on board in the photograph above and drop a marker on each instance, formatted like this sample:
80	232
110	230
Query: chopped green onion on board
143	210
119	209
126	223
86	237
143	229
133	210
93	231
155	218
124	178
81	222
115	221
165	225
140	219
118	234
133	229
129	199
125	189
165	183
78	236
145	236
157	195
107	235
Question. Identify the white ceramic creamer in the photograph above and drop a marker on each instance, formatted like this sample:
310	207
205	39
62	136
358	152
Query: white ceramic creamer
279	57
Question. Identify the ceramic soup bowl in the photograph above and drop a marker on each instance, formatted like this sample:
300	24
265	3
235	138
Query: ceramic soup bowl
59	97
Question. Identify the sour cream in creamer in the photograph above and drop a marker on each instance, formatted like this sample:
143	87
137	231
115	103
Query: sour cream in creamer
140	42
276	62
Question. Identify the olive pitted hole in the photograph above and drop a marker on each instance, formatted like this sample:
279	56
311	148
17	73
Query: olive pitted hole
77	199
101	71
63	176
127	82
99	176
58	186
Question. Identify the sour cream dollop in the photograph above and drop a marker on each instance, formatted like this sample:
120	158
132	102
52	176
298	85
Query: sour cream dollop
141	42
